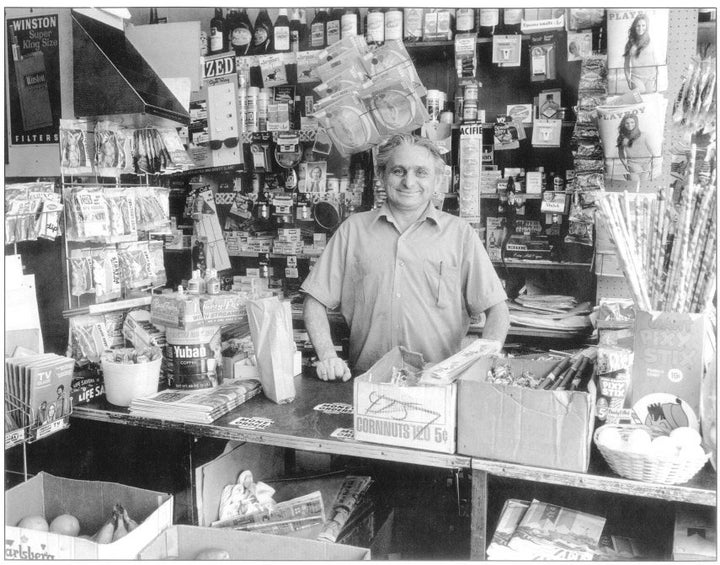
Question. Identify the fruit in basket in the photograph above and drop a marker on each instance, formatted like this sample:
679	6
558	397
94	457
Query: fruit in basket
638	441
66	525
610	437
213	554
106	531
686	436
664	446
34	522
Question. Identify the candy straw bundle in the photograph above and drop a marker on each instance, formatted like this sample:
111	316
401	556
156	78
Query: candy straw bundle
667	252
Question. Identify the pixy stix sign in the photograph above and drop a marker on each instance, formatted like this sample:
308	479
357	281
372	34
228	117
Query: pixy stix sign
33	79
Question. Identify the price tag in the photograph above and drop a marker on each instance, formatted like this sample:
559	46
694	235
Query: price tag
51	427
14	437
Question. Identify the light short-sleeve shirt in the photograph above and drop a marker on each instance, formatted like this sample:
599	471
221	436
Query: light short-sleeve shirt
418	289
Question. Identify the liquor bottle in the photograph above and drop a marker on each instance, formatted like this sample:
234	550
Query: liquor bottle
304	35
350	22
218	39
317	29
465	20
262	34
281	32
295	31
393	24
512	17
375	26
489	20
239	30
332	28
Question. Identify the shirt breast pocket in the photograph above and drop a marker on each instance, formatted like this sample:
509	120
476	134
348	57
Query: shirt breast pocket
442	279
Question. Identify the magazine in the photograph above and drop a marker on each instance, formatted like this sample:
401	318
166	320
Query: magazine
196	406
549	532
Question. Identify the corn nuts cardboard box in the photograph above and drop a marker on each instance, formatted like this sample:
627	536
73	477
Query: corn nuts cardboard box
420	417
185	542
91	502
197	310
542	428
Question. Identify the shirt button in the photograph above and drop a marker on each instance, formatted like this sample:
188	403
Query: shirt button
402	263
397	295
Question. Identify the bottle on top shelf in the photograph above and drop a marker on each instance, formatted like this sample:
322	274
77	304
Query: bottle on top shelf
218	38
393	24
281	32
332	27
413	24
262	34
512	18
350	22
489	21
317	29
375	26
239	30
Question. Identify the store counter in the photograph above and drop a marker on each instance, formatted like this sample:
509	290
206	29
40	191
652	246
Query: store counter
299	425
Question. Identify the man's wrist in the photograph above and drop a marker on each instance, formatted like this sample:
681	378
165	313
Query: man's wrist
327	355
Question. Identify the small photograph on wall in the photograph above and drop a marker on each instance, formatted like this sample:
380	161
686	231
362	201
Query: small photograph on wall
33	75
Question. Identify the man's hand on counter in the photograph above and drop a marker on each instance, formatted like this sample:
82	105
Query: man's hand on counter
332	368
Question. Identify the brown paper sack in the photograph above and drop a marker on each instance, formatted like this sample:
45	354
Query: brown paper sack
271	330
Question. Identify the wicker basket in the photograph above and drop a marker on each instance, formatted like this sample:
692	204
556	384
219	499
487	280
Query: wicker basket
671	470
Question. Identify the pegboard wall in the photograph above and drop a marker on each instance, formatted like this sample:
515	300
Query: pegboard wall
682	47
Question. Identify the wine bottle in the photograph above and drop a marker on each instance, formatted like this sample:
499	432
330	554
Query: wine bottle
489	19
239	30
281	32
465	20
393	24
304	35
350	22
295	30
332	28
375	26
218	39
262	34
317	29
413	24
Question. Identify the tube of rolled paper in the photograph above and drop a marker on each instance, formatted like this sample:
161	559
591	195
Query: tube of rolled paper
556	371
584	375
568	375
574	371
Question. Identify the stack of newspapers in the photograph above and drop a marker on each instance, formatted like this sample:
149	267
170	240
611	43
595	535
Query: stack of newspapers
196	406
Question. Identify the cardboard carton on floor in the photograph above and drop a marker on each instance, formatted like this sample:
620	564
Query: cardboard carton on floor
420	417
185	542
91	502
543	428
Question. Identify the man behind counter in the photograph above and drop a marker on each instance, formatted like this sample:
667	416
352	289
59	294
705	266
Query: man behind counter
404	274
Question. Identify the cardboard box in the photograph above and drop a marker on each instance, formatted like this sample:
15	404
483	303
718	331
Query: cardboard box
185	542
543	428
197	310
421	417
669	349
92	503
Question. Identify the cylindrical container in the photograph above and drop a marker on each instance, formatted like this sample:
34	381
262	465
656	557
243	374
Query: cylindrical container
127	381
333	185
251	116
470	111
435	104
344	184
446	118
471	92
242	107
262	109
193	357
393	24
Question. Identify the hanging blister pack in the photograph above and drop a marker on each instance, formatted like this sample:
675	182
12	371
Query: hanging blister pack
87	214
349	44
107	152
395	106
349	124
106	274
392	59
76	147
121	206
543	49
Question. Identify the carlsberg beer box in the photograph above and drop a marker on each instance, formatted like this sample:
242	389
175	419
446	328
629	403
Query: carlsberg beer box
91	502
669	355
420	417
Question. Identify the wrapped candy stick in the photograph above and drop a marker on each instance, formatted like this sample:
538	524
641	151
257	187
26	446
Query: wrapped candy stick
661	231
705	281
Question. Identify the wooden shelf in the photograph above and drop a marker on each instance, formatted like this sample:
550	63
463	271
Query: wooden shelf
538	264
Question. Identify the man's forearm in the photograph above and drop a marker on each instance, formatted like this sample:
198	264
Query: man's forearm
318	328
497	323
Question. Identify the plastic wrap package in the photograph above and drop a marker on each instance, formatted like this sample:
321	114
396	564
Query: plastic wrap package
270	321
394	105
392	59
349	124
109	154
75	147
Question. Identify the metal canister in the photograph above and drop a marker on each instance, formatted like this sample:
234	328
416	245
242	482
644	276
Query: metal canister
472	91
470	111
436	100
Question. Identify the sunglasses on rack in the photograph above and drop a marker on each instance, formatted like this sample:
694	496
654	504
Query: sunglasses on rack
216	144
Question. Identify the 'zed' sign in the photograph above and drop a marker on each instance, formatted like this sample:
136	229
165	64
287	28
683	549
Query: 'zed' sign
219	66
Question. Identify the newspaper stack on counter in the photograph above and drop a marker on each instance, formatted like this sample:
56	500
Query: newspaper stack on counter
447	371
550	312
201	406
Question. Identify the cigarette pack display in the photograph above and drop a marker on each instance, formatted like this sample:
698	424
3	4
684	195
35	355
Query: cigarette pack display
422	417
543	428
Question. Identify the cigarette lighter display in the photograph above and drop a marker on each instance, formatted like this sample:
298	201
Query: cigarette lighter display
33	91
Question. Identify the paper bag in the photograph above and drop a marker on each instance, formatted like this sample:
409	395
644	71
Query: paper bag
271	330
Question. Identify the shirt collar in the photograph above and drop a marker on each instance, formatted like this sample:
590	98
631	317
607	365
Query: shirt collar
430	213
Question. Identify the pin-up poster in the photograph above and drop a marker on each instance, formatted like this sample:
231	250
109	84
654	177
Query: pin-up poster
34	79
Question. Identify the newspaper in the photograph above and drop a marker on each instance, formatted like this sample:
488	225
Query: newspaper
351	492
549	532
200	406
283	518
512	512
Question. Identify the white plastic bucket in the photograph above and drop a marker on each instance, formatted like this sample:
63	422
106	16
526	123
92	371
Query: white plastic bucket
125	381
